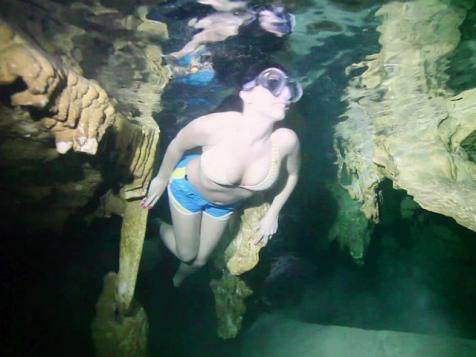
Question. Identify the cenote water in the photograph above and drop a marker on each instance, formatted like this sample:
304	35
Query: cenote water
411	291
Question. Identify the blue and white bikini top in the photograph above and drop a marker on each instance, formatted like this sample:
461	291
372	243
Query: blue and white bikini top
219	175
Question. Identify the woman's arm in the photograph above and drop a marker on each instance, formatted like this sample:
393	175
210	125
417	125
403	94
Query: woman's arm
193	135
269	224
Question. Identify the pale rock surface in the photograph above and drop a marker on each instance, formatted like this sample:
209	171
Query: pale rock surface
77	110
403	124
279	336
242	254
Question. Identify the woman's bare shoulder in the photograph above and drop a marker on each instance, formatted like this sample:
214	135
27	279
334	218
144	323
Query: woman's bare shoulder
287	140
207	129
215	122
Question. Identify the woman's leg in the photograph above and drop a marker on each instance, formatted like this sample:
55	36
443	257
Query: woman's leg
211	231
183	237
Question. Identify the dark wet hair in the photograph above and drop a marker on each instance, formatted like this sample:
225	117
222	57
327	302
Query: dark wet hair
231	103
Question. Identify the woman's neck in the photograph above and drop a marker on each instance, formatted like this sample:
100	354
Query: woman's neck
257	126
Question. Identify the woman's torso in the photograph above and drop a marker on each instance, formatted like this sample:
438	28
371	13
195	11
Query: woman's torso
232	167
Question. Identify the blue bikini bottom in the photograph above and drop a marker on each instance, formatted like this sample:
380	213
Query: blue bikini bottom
186	197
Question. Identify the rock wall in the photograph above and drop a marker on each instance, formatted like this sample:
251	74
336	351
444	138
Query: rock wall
402	122
351	228
56	64
77	111
85	77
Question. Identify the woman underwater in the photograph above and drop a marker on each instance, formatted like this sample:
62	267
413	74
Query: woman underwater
242	153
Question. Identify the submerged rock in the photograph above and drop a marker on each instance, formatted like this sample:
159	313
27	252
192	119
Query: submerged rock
62	65
286	280
77	111
242	254
403	124
54	76
116	335
275	335
230	292
351	228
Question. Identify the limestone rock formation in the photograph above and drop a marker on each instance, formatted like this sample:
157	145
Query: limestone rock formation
34	176
39	73
403	124
242	254
351	228
237	255
132	239
230	292
47	50
115	334
135	148
76	110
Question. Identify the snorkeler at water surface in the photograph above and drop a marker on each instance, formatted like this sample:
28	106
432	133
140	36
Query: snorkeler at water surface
219	26
241	153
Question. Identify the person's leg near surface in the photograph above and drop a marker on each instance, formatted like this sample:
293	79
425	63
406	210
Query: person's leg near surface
166	230
166	234
168	237
211	231
184	234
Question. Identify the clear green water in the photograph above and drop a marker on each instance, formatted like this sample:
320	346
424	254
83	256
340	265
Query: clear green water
418	275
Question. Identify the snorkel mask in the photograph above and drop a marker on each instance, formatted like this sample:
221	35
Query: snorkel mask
275	80
277	20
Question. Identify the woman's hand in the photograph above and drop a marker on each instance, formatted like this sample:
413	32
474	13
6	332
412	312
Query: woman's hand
266	228
156	189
